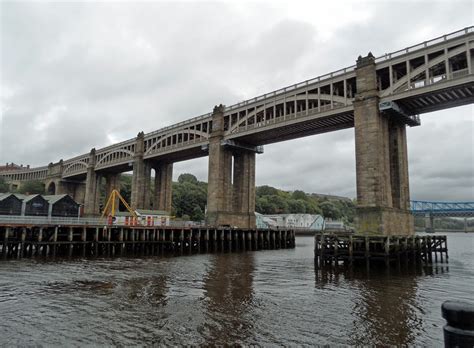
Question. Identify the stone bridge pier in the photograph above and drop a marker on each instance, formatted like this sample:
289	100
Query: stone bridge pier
142	197
231	180
383	195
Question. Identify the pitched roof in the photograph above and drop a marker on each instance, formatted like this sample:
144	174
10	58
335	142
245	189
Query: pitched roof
52	199
4	196
26	198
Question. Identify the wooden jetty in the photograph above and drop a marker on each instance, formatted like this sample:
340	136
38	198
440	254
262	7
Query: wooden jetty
349	248
108	241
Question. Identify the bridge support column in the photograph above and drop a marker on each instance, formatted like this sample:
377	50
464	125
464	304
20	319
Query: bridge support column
147	186
112	182
162	198
429	223
138	178
91	204
75	189
244	189
227	203
381	161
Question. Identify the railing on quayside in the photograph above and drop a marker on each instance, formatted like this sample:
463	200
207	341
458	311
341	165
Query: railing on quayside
82	221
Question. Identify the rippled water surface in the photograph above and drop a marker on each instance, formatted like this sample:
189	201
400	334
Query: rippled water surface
265	297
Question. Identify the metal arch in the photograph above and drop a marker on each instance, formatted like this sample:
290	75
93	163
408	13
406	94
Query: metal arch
336	99
66	170
181	131
396	86
108	154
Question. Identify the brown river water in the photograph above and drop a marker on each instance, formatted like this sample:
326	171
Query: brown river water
264	298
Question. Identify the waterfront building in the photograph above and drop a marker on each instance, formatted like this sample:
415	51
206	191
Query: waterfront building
62	205
301	221
33	205
10	204
38	205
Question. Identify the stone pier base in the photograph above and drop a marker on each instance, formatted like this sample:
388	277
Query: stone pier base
384	221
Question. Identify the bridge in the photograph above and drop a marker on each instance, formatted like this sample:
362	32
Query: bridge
379	97
432	210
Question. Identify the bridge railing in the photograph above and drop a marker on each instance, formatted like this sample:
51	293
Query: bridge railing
292	87
425	44
435	207
46	220
80	221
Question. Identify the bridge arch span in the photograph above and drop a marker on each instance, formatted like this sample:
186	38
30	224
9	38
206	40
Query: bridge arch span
158	143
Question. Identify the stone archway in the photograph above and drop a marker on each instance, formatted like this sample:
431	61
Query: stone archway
51	189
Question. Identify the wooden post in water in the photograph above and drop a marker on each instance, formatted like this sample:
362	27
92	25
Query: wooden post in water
5	242
121	241
229	240
55	239
221	239
249	240
190	241
387	251
83	240
96	242
39	239
22	242
181	241
69	239
199	236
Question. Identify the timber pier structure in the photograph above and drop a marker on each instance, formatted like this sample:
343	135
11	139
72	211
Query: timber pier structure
109	241
349	248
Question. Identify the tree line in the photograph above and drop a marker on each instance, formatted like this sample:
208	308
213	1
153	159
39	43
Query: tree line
190	199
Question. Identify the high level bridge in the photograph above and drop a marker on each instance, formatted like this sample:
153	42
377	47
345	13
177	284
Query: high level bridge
377	96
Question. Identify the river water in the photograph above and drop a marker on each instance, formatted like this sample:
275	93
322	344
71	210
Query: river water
264	298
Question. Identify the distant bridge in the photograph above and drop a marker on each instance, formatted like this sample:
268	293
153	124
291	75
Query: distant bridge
439	209
432	210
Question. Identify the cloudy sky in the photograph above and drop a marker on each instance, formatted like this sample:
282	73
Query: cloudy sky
81	75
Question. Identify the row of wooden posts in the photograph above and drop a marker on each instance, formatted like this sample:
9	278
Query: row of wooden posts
335	248
32	241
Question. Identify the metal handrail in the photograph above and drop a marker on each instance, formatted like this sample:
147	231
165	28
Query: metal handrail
48	220
293	87
426	44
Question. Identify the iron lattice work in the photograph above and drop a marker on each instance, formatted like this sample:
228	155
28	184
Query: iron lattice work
459	209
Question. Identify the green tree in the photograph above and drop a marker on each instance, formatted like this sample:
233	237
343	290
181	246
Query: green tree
266	191
187	195
264	206
299	195
198	214
186	177
32	187
297	206
330	210
3	185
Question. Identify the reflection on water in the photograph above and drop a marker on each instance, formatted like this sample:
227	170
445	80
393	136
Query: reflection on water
387	311
229	291
267	298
